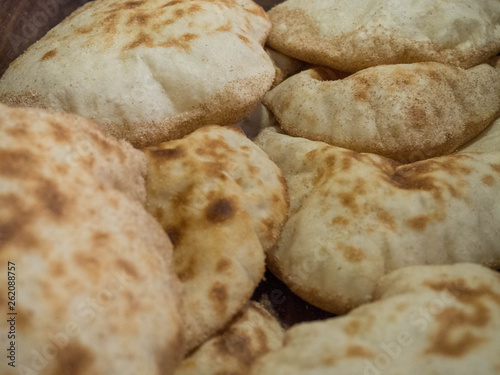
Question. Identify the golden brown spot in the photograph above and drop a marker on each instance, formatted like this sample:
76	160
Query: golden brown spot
89	264
351	253
16	229
488	180
220	211
228	26
385	218
243	38
109	23
418	223
182	43
358	351
60	133
495	167
49	55
346	164
447	343
84	30
352	328
141	40
17	131
138	19
340	220
188	37
57	268
178	13
348	200
194	8
17	163
223	265
415	176
74	359
462	292
257	11
219	296
188	271
128	267
51	197
171	3
130	4
24	318
253	169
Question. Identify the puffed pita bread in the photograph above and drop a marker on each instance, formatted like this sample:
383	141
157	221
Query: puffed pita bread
351	35
487	141
253	333
426	320
95	288
223	203
355	217
148	71
406	112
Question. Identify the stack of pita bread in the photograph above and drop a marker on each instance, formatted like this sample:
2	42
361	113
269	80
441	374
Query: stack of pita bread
372	190
420	88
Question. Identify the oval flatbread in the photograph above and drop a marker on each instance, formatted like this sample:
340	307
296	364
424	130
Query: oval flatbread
405	112
148	71
351	35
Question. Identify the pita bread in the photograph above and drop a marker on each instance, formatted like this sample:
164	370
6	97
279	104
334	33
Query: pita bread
487	141
285	65
352	35
355	217
148	71
253	333
404	112
427	320
223	203
94	269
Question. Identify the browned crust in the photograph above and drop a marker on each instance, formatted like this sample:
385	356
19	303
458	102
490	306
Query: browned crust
308	45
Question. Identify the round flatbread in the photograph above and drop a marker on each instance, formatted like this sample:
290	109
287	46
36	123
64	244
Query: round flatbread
95	290
148	71
223	204
355	217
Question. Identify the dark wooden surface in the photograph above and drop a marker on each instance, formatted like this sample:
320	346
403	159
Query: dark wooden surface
23	22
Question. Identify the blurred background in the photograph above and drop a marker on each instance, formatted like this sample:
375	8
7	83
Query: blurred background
22	22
